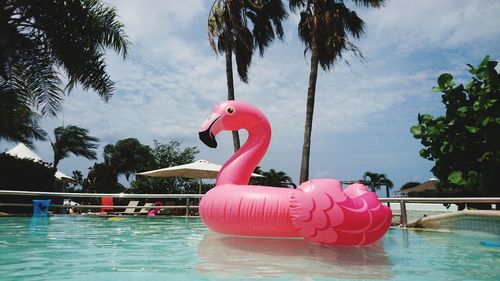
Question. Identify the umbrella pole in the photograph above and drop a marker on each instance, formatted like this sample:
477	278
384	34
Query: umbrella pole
199	191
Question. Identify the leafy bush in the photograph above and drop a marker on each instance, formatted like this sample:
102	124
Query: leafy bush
465	143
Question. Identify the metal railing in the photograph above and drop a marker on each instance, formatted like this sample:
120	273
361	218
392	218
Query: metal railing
188	206
401	201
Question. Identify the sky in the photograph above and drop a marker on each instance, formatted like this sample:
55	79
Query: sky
172	79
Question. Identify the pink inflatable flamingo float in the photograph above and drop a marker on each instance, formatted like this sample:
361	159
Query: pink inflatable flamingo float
153	212
318	210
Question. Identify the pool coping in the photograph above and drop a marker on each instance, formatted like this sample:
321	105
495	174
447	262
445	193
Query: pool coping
434	221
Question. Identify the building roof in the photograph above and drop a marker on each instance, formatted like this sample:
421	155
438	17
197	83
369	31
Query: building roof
426	186
23	152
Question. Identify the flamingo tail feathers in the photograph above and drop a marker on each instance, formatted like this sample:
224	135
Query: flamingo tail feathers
324	213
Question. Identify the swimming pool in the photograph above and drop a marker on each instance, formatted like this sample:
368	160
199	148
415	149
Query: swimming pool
159	248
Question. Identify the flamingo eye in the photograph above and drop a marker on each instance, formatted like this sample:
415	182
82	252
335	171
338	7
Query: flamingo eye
230	110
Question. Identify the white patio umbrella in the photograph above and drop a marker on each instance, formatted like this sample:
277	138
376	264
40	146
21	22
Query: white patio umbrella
201	169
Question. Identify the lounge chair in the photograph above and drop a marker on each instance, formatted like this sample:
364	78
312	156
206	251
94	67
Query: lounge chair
145	211
130	210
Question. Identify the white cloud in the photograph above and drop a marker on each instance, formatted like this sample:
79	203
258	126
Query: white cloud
408	26
156	18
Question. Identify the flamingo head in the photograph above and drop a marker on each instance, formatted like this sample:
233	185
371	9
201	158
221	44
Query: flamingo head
229	116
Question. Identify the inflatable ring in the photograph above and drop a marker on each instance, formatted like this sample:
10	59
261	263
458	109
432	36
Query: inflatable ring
318	210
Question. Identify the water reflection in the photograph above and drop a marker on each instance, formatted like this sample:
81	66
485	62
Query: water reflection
266	257
39	226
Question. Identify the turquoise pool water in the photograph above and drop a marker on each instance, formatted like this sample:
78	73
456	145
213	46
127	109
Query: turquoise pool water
139	248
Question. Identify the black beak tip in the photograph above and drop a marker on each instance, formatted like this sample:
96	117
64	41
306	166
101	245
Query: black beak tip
208	139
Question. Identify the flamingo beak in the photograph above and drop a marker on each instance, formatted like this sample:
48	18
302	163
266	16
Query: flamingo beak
208	139
206	134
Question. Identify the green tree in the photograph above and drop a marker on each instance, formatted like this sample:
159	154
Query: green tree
75	140
167	155
271	178
325	27
78	181
127	156
39	40
229	32
465	143
102	178
375	181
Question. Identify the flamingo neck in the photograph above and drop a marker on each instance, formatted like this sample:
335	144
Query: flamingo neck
238	169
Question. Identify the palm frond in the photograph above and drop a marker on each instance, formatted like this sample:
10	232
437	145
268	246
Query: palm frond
370	3
18	123
34	78
103	28
241	26
330	25
243	54
296	5
72	34
353	24
75	140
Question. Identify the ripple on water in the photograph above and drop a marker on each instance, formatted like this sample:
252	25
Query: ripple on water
94	248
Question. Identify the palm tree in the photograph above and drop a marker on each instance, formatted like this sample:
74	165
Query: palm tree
325	27
41	37
103	179
277	178
229	32
127	156
376	181
75	140
78	179
271	178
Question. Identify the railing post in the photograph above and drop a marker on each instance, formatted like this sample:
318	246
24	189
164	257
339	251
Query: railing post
187	206
404	218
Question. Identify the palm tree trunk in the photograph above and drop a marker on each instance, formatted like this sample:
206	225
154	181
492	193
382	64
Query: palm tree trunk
57	157
311	92
230	90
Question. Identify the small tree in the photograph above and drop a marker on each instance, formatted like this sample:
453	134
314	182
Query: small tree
102	178
465	143
74	140
77	182
271	178
127	156
376	181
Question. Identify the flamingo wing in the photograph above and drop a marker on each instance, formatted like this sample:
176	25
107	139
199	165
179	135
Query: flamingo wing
322	212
